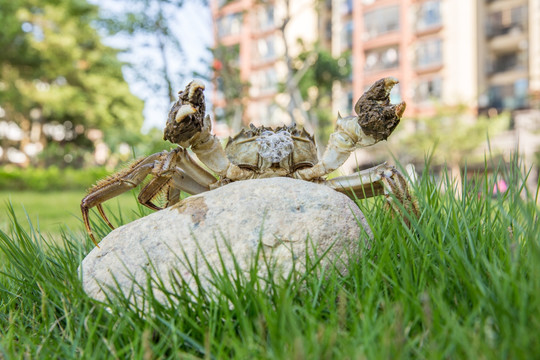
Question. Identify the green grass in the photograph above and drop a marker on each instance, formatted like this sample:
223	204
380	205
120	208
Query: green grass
51	212
462	282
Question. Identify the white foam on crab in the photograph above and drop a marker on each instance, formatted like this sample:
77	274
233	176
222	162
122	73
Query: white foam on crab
275	146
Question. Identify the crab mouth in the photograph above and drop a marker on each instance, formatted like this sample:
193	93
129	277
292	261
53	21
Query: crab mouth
275	146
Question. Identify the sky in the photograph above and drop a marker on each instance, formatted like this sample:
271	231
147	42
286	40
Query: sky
194	32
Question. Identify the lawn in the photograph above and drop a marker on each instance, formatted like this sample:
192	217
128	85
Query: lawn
50	212
461	282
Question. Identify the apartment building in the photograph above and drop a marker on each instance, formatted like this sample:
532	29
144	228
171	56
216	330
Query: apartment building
251	32
483	53
509	62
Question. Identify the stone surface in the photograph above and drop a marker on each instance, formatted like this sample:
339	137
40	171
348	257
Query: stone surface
288	216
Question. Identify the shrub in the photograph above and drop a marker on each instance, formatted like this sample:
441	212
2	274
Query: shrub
50	178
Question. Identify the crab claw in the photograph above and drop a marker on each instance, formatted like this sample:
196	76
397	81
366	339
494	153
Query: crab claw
376	116
186	117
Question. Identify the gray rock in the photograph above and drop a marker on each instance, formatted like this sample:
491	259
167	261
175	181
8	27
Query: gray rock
281	219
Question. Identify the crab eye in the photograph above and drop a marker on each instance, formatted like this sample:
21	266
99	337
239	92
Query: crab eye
302	165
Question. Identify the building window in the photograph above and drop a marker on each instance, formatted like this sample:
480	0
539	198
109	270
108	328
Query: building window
350	99
222	3
328	30
381	21
429	15
507	21
346	7
230	25
265	18
382	59
510	96
264	82
347	35
429	53
508	62
264	49
428	89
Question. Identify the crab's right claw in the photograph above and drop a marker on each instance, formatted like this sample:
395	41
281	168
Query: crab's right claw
376	116
186	117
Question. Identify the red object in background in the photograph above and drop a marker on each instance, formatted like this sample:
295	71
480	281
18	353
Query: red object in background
217	65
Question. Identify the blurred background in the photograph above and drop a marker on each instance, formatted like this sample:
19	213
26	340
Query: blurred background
85	85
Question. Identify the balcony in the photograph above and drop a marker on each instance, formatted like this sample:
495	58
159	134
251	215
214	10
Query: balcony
229	25
512	62
381	21
264	50
427	90
428	16
509	96
512	21
264	82
381	59
346	7
510	29
429	54
347	35
265	18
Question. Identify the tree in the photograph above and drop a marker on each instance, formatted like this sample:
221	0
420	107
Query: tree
317	72
151	24
229	83
308	80
57	79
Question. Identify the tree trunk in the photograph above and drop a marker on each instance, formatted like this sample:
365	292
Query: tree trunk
291	82
163	54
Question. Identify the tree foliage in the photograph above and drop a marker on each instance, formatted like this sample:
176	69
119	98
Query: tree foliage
451	135
229	84
55	70
150	24
316	81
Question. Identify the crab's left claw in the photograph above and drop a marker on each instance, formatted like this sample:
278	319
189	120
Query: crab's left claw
376	116
187	116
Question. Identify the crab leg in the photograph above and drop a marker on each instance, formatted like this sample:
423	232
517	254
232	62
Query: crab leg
165	170
165	166
149	192
104	216
379	180
180	182
195	171
113	187
363	184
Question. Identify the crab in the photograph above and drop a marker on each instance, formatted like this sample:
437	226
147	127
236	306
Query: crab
259	152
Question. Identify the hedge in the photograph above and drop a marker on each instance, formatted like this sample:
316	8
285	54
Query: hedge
50	178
